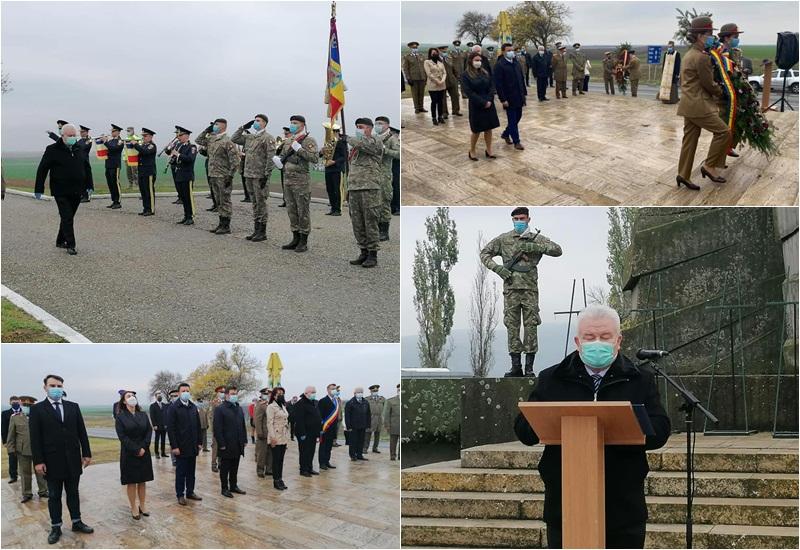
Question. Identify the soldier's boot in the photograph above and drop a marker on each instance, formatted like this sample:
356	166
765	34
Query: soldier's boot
219	226
529	357
372	259
383	228
256	228
295	240
361	257
226	226
302	246
516	365
262	233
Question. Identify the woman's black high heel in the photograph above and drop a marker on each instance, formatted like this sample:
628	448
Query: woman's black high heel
707	174
142	512
489	156
471	157
687	183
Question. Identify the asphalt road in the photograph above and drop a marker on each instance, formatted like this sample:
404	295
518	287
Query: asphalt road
148	280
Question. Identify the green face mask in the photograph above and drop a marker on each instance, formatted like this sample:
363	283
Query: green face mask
70	141
597	355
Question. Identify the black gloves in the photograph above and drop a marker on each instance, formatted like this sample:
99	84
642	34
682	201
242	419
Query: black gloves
249	125
210	127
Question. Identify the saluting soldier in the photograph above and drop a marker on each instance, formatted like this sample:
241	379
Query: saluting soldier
115	145
365	191
578	68
146	171
56	136
223	161
18	442
263	453
391	152
608	73
451	83
634	72
259	148
376	403
85	147
182	157
296	155
560	71
414	71
521	251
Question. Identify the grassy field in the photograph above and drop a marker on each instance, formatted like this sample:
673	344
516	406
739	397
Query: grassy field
103	450
18	326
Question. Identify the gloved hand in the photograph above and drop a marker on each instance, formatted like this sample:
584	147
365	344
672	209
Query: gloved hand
37	196
276	160
296	146
249	125
503	272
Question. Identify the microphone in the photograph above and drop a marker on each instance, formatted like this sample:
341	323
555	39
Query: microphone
644	354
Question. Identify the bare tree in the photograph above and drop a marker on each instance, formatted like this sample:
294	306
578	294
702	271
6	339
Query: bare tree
237	368
483	318
541	23
165	381
597	295
475	25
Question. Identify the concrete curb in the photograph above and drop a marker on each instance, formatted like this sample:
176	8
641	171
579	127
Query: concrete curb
159	194
54	325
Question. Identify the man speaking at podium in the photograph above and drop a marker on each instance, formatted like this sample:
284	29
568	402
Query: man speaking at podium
597	371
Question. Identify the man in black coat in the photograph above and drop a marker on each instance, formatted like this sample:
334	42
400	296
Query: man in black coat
64	162
598	371
60	450
510	85
329	412
307	427
183	430
158	418
357	419
540	64
334	172
16	407
231	435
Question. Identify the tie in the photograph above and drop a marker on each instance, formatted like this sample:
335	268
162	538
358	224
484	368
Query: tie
58	410
596	379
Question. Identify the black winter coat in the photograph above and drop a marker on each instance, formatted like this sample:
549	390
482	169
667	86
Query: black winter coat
229	430
356	414
183	428
59	445
509	83
625	465
66	167
306	417
134	433
158	415
540	64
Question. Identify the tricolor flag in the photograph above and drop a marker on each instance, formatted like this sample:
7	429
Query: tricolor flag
334	92
101	150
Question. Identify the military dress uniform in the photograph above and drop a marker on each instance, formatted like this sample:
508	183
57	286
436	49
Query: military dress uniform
223	161
560	74
414	71
115	145
608	74
635	74
391	152
578	71
520	287
297	183
263	453
376	403
18	442
391	423
210	413
451	85
146	173
259	148
366	175
185	155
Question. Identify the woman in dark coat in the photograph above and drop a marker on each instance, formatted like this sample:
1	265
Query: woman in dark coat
477	84
135	464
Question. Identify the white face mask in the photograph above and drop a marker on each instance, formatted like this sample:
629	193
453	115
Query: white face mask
477	64
131	401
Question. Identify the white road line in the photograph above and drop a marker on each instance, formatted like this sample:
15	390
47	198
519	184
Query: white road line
54	325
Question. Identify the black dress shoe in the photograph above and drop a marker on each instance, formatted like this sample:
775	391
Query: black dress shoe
323	467
182	501
277	485
194	497
687	183
44	495
331	466
190	221
305	474
238	491
55	534
706	174
353	459
283	485
26	498
12	480
142	512
314	473
59	245
148	214
227	493
376	451
337	213
116	206
80	527
71	251
158	456
362	458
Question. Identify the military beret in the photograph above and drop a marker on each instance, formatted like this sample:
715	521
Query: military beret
382	119
519	210
702	24
298	118
413	44
375	386
181	130
365	121
219	388
262	117
285	128
728	29
147	131
115	127
456	42
61	122
84	128
576	45
222	120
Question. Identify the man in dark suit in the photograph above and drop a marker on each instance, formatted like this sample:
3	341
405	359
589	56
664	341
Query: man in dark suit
510	85
540	64
12	457
307	427
183	430
158	420
329	412
597	371
231	435
358	419
60	449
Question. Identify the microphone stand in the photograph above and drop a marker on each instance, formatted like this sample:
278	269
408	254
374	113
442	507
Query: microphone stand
690	403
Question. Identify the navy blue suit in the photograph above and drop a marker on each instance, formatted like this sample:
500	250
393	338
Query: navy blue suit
183	431
541	71
510	86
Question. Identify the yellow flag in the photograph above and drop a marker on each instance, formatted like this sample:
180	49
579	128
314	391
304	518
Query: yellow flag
274	369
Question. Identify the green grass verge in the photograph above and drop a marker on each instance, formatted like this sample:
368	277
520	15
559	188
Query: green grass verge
18	326
103	451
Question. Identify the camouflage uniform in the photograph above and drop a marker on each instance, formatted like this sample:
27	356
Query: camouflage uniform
259	148
391	151
520	284
223	161
297	182
364	185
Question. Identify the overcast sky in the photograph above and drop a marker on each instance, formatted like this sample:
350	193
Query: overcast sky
157	64
581	232
605	23
94	372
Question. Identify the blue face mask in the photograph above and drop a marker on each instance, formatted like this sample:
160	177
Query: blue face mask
294	128
710	42
509	55
233	399
670	50
215	129
256	126
26	410
360	132
597	355
72	140
520	226
734	42
185	396
379	128
55	393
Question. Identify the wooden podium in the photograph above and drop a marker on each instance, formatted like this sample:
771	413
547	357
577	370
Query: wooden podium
583	429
